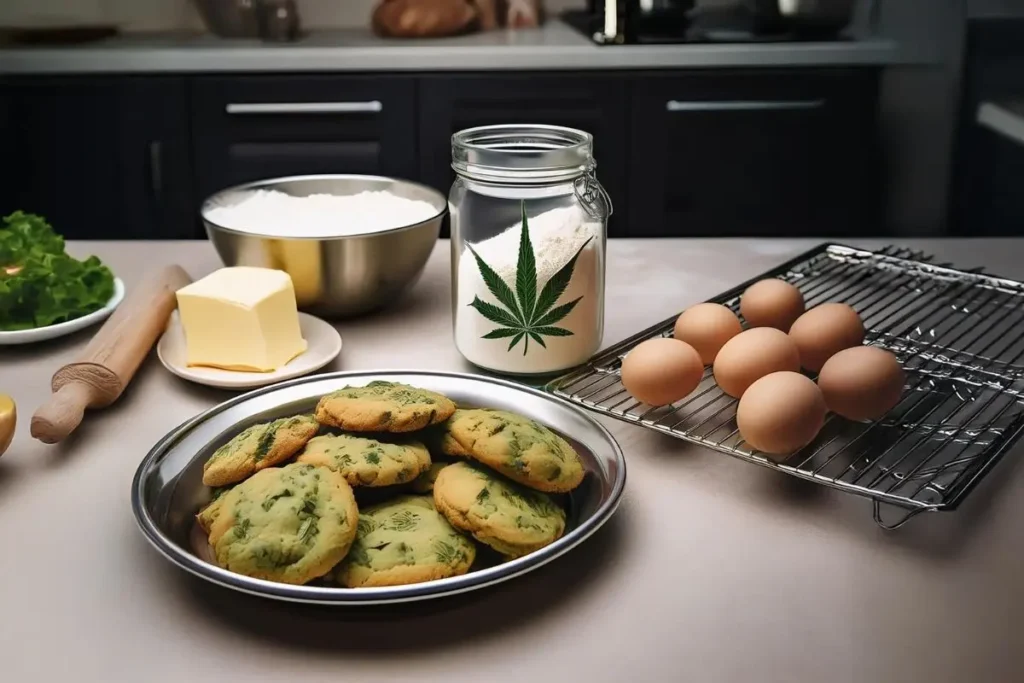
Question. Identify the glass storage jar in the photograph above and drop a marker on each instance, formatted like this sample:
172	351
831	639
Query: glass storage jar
528	235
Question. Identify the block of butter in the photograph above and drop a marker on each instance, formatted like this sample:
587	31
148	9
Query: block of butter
241	318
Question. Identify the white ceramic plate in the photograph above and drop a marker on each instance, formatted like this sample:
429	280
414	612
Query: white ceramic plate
324	346
60	329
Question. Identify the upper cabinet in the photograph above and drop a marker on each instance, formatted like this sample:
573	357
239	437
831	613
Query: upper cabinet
594	103
100	158
759	153
253	127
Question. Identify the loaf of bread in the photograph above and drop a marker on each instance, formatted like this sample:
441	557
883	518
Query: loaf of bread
424	18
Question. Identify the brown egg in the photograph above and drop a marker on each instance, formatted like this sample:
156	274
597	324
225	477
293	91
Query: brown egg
771	303
661	371
706	327
751	355
824	331
781	413
862	383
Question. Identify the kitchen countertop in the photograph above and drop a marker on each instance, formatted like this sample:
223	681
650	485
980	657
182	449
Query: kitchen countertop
712	570
555	46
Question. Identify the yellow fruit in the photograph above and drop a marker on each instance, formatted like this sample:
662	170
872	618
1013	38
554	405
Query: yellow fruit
8	419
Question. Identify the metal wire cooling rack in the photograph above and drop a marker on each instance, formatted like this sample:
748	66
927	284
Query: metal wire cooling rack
958	334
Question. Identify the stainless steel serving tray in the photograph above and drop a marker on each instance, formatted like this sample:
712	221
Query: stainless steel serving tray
167	490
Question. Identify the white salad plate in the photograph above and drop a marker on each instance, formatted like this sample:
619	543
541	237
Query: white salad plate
60	329
324	345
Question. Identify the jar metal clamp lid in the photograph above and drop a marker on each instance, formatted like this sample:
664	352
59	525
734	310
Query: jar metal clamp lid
532	154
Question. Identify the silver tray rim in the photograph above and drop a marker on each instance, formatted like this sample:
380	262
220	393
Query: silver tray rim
191	563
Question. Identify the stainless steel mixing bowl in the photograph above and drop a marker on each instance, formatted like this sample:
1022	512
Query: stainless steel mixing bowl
334	276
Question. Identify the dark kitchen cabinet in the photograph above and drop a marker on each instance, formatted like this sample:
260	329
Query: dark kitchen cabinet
756	153
8	171
253	127
100	158
594	103
988	162
705	152
993	204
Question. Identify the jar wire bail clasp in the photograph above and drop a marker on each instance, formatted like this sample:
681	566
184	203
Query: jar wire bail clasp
592	196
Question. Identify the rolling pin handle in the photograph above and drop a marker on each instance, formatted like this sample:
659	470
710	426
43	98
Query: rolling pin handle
58	417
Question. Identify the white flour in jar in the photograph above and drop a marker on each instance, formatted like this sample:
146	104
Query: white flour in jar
271	212
556	236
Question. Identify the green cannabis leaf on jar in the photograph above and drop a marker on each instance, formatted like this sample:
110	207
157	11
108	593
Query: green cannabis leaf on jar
524	314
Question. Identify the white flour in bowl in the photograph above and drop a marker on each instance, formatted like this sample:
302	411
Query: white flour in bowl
270	212
556	236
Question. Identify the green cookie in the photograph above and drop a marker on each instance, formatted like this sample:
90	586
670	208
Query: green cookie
289	524
383	407
403	541
513	520
257	447
519	448
365	461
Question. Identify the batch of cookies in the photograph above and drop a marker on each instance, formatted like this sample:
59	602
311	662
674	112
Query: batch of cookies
385	485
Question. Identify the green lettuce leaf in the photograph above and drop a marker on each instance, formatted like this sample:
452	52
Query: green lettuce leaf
40	284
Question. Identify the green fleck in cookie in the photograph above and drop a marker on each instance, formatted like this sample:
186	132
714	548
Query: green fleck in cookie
289	524
208	515
383	407
425	482
518	447
367	462
257	447
511	519
402	541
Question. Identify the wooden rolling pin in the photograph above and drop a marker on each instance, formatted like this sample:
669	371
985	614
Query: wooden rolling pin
110	360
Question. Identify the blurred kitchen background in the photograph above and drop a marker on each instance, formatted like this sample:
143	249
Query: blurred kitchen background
908	122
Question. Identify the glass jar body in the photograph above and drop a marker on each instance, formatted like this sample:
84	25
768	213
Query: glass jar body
527	301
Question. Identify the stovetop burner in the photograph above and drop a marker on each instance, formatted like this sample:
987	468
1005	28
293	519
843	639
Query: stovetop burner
715	25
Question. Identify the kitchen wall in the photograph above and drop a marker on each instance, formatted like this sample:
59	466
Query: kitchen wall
357	12
130	15
163	15
995	8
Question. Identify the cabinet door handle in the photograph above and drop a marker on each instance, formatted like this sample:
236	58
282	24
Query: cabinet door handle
244	108
156	168
741	105
1002	119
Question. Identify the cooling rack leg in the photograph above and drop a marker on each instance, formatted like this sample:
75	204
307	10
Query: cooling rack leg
897	523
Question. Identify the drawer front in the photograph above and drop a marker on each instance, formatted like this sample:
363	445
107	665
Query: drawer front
753	154
596	104
251	128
